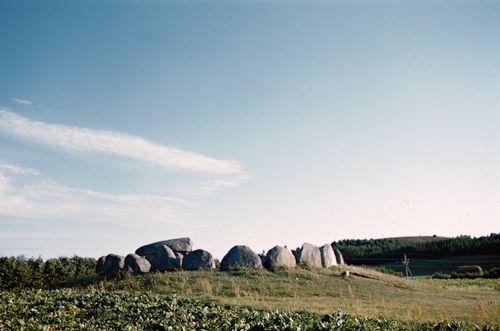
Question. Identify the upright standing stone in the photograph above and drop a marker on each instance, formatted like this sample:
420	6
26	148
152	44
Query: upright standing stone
309	255
338	255
279	257
328	258
100	268
296	255
262	257
240	257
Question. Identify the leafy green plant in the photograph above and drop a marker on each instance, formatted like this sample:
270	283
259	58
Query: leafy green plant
100	310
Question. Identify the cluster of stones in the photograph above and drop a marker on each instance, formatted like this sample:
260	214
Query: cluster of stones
161	256
280	257
177	254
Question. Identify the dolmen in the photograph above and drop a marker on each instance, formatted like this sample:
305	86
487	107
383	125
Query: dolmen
161	257
166	255
181	245
177	254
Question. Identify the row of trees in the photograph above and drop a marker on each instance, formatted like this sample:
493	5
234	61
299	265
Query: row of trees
376	251
21	272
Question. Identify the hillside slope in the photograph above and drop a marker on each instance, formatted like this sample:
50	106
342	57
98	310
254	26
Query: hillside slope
366	292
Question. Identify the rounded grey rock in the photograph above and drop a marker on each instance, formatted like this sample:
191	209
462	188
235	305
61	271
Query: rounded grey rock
163	258
198	260
113	264
136	264
279	257
240	257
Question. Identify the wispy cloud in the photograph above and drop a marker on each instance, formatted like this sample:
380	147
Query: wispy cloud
76	139
26	195
216	184
22	102
17	170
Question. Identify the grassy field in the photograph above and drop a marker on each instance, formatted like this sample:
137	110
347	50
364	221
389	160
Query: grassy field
423	267
470	283
366	293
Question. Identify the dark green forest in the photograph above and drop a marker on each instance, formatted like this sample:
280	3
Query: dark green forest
22	272
378	251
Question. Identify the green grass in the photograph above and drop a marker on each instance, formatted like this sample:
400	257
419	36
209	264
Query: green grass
493	283
426	267
367	293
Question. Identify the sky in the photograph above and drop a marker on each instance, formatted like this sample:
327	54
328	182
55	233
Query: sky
248	122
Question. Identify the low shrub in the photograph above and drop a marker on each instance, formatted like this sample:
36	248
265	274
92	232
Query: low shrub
492	273
440	275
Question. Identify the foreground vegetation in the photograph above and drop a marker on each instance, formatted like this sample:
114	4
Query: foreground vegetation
98	310
365	293
256	299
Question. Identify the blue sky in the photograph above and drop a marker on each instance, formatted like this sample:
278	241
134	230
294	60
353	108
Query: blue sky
257	123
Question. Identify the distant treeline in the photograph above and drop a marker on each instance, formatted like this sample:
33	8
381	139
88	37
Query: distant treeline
377	251
21	272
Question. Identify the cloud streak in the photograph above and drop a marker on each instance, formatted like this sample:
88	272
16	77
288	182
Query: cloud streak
22	102
77	139
26	195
